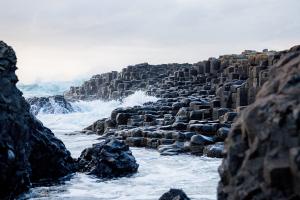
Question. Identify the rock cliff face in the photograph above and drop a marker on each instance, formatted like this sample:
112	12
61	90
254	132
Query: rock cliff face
29	152
263	148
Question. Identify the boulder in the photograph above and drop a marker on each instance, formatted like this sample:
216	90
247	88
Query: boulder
172	149
214	150
196	115
179	126
222	133
136	141
201	140
262	149
122	118
108	159
205	129
97	127
198	142
174	194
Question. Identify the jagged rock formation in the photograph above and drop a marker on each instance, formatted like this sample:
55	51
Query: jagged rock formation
51	105
263	148
29	152
174	194
108	159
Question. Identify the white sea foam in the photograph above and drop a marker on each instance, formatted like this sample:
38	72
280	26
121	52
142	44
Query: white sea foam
87	112
197	176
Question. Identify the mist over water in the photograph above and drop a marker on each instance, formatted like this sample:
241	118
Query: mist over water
197	176
43	89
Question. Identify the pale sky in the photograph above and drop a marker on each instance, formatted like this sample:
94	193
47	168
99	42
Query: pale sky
67	39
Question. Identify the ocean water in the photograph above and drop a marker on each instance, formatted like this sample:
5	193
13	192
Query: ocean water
197	176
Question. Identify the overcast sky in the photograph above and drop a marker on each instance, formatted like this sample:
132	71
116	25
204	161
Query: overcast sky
67	39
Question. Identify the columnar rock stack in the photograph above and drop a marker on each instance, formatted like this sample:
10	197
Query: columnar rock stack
116	85
232	79
29	152
197	105
171	125
263	148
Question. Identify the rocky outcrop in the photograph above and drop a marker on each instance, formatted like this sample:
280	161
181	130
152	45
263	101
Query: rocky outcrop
166	125
108	159
263	148
174	194
50	105
116	85
29	152
196	107
233	79
198	102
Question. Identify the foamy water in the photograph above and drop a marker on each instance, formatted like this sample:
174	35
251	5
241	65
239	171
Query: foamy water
197	176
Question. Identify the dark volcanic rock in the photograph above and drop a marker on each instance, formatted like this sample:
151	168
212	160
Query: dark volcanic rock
108	159
174	194
97	127
29	152
51	105
201	99
263	148
214	150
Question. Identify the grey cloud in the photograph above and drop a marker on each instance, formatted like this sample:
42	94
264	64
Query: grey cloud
192	29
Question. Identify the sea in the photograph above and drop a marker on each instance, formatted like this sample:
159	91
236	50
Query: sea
197	176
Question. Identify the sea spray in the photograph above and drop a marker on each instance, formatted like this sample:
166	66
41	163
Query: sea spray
197	176
43	89
86	112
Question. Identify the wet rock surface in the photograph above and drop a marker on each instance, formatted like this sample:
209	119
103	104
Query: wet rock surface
263	148
156	125
174	194
196	107
108	159
50	105
29	152
116	85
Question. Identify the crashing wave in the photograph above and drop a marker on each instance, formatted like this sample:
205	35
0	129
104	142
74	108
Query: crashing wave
50	105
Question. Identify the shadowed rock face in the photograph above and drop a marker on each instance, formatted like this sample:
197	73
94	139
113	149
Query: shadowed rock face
29	152
108	159
263	148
